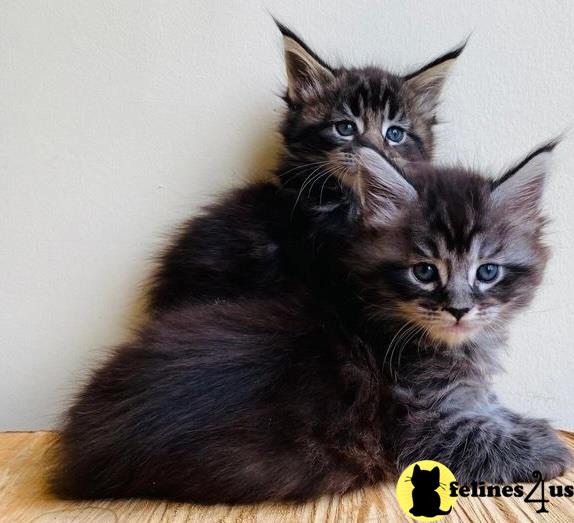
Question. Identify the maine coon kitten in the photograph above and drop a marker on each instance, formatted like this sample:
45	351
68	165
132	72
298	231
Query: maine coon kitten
387	362
247	243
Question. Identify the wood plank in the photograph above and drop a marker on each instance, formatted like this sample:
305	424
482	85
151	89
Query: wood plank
24	498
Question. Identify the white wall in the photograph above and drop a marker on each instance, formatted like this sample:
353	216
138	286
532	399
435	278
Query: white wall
117	119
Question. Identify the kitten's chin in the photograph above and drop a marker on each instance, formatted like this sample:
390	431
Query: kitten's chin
455	334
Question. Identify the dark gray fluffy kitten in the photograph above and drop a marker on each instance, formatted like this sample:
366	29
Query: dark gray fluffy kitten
385	361
242	246
452	258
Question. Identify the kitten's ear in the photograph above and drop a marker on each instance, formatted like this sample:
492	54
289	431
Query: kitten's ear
383	190
436	471
417	469
519	190
426	82
306	72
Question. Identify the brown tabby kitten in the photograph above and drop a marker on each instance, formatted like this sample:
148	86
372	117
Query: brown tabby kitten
245	244
385	361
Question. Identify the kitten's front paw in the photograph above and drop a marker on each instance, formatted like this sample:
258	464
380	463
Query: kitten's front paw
534	446
544	451
554	459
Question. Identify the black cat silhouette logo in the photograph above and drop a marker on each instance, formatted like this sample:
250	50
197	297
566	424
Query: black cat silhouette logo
426	500
423	493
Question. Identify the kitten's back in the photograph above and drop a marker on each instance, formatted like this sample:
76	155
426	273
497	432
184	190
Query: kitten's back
227	402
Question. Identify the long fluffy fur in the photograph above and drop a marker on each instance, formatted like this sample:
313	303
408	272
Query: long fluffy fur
241	245
324	389
227	403
298	354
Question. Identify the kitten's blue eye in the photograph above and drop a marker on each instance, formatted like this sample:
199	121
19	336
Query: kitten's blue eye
346	128
395	134
425	272
487	272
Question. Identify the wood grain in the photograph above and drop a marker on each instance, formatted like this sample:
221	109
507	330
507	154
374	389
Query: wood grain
24	499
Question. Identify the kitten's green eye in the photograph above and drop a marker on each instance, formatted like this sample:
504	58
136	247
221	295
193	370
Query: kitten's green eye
425	272
346	128
395	134
487	272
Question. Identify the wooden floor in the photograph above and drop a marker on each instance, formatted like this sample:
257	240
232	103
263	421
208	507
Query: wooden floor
24	499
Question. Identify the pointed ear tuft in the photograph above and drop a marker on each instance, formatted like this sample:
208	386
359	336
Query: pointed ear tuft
427	82
306	72
382	188
519	190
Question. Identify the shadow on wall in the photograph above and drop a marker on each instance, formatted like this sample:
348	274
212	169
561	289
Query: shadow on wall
265	157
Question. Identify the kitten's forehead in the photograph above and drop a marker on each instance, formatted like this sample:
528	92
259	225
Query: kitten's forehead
362	93
371	90
451	213
454	219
